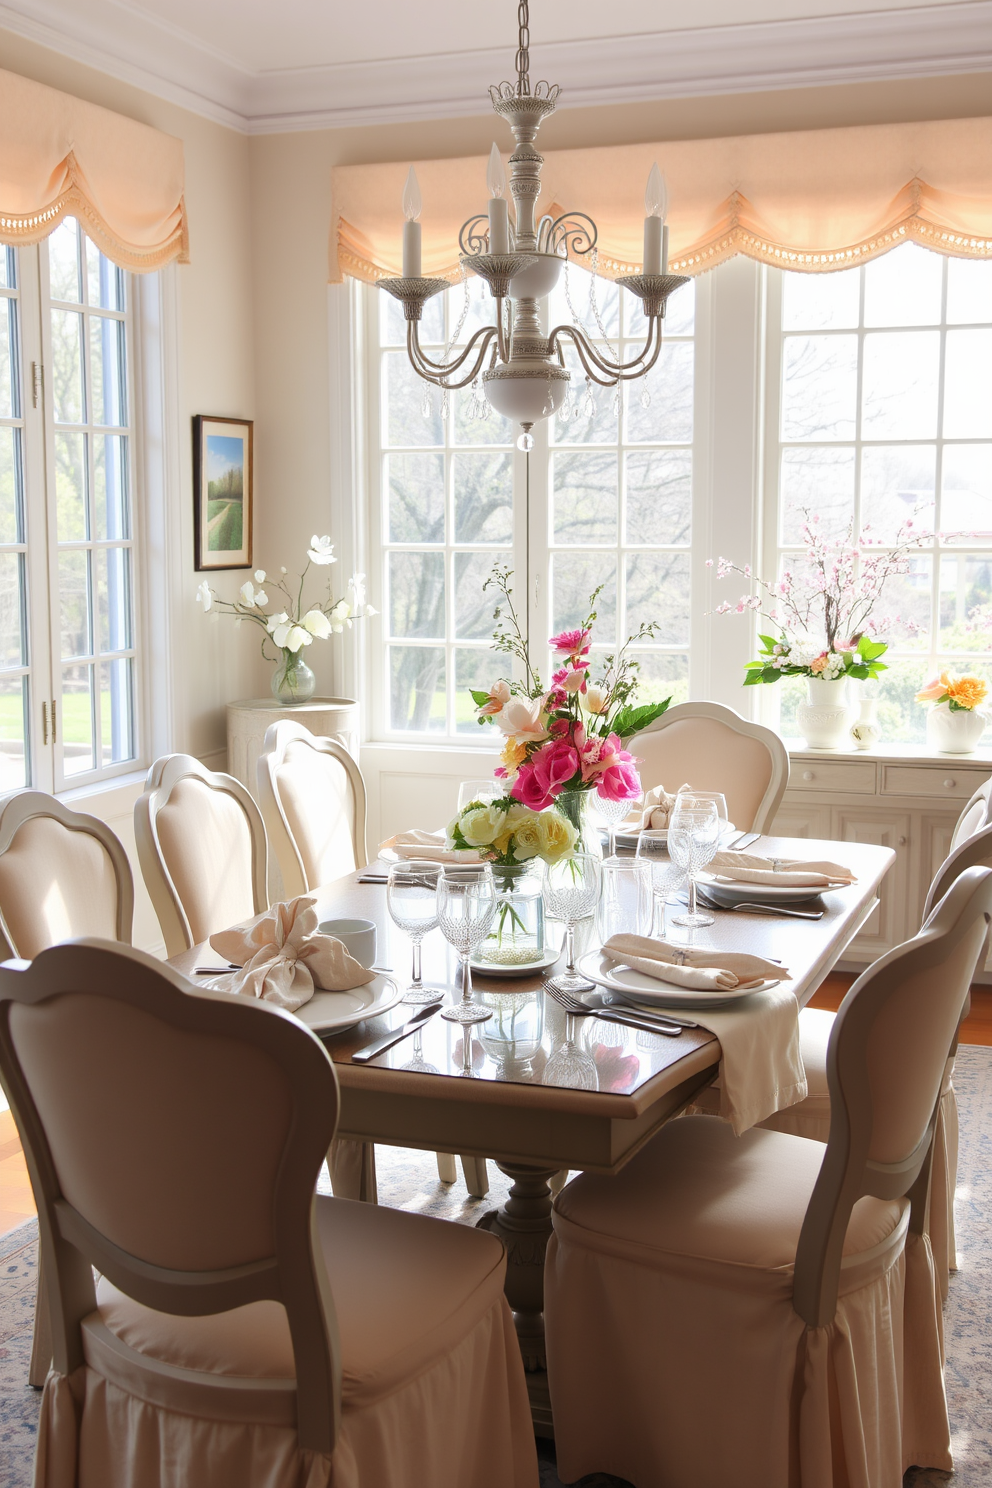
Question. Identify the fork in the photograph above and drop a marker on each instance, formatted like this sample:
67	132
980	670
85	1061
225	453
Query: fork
773	909
579	1010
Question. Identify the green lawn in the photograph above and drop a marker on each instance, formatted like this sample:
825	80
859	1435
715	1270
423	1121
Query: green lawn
75	718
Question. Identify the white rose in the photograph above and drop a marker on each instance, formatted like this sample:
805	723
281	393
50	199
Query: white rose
317	623
483	825
521	719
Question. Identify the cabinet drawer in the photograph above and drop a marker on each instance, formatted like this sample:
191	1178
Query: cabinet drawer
833	775
949	781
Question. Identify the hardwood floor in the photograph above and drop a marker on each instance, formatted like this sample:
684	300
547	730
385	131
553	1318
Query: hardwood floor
17	1204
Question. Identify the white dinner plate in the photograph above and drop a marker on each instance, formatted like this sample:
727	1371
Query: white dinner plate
751	893
332	1012
638	987
629	839
531	968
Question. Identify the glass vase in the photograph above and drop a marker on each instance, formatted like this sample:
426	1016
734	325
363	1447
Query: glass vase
577	807
292	680
517	934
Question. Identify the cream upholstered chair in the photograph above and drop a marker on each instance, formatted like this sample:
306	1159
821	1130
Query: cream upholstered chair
976	815
62	874
201	846
244	1330
312	797
713	748
762	1310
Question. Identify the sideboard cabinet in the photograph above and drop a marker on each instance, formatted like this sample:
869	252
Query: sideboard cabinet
895	796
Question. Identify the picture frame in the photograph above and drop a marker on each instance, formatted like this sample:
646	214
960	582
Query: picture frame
223	491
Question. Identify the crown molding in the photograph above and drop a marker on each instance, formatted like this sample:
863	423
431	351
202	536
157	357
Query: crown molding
924	41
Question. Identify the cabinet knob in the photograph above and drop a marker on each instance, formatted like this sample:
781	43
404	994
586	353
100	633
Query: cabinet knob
808	775
949	784
900	841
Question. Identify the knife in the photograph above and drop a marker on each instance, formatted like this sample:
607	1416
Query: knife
379	1045
746	839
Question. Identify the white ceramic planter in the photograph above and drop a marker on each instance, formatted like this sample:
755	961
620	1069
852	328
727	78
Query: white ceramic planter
956	731
825	717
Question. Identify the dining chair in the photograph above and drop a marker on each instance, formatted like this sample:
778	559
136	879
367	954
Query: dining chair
976	815
243	1330
62	874
312	798
762	1310
713	748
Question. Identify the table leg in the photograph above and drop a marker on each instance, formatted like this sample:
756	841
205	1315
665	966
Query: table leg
524	1226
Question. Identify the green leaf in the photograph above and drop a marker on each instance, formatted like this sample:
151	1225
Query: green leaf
769	641
871	649
767	674
479	698
632	720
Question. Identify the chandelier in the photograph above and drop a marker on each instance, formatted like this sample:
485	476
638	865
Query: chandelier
526	379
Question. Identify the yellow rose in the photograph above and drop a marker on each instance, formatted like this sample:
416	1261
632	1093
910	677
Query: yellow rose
967	691
527	838
483	825
556	836
514	754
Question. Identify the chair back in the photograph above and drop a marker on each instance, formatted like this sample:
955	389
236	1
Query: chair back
174	1138
976	815
201	846
62	875
885	1063
972	851
712	748
312	797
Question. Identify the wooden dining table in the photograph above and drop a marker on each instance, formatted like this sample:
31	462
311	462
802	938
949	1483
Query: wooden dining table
485	1093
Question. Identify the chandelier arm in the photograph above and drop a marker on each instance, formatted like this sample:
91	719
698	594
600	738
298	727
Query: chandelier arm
444	368
634	367
432	372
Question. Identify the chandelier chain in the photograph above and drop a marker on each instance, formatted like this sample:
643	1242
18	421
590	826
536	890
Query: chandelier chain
523	49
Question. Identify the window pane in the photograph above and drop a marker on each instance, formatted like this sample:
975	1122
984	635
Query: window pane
658	590
105	282
902	719
10	485
417	688
416	594
473	605
591	419
403	404
116	711
7	267
483	486
584	506
12	648
492	429
900	385
415	486
476	669
969	291
392	325
658	497
821	302
573	578
965	586
70	486
680	312
76	723
661	675
903	288
586	291
67	368
113	570
109	403
667	417
819	480
968	385
966	491
819	387
8	364
13	729
113	509
905	604
63	262
74	604
897	485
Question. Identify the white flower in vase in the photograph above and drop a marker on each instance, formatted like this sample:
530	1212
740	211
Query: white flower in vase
321	550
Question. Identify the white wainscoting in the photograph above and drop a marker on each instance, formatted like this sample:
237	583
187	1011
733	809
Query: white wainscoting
416	786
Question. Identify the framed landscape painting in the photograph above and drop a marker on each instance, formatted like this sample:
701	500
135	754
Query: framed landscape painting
222	492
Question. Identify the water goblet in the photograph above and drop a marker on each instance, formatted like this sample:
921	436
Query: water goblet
411	898
718	799
625	903
666	875
693	834
466	901
612	813
478	790
571	894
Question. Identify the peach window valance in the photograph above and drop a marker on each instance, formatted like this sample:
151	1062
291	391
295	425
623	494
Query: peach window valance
817	201
60	156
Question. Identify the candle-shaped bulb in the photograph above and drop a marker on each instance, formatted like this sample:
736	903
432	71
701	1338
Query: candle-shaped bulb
495	174
656	194
413	203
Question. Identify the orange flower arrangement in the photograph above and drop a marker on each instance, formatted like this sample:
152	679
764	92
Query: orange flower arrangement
963	693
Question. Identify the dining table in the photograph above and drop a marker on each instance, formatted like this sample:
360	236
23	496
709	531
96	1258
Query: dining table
483	1091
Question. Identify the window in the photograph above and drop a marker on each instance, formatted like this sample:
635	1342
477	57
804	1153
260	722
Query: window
885	414
604	498
67	688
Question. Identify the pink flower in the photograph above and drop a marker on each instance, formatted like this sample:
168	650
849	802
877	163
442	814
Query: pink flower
520	718
570	644
933	690
499	696
620	780
576	680
545	775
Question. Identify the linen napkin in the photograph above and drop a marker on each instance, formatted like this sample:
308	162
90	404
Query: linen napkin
283	958
742	867
692	966
653	812
761	1067
431	846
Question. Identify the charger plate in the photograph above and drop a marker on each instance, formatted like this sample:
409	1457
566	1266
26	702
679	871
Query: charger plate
648	991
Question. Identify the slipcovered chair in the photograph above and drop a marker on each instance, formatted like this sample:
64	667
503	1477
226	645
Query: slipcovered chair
312	797
713	748
976	815
244	1331
762	1310
62	875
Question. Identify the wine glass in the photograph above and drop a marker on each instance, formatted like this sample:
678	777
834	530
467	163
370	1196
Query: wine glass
478	790
571	1065
717	797
466	902
612	813
666	875
693	834
625	903
411	898
571	893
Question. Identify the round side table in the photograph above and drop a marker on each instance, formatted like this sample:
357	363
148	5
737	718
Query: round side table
328	717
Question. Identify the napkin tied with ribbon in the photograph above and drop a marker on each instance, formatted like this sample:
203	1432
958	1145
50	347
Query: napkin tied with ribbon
654	811
761	1067
284	959
431	846
742	867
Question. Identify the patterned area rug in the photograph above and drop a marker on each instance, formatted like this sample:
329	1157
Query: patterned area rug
409	1180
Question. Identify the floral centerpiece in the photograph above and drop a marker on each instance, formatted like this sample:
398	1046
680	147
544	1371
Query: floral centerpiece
291	629
956	720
